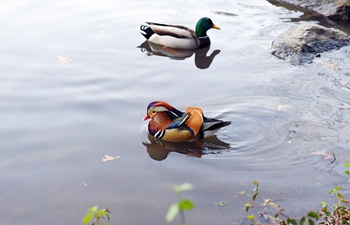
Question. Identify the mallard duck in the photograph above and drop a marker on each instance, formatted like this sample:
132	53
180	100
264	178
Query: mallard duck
177	36
170	124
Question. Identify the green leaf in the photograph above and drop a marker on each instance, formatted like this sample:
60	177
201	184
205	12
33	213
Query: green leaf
313	214
291	221
182	187
251	217
186	187
347	165
87	218
247	207
324	204
344	200
94	208
311	222
172	212
305	221
347	172
255	194
340	196
105	224
331	191
186	204
176	188
338	188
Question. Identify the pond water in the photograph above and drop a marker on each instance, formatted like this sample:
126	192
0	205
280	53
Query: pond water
76	78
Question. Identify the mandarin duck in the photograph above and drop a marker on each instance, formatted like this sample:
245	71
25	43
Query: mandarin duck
177	36
170	124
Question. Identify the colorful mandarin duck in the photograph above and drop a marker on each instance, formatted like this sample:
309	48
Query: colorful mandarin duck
177	36
169	124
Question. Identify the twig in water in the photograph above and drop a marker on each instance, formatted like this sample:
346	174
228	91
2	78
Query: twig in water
333	158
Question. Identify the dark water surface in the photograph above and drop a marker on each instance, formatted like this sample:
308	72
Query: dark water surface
75	86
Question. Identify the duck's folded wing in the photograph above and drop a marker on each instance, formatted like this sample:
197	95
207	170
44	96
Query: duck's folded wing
178	122
171	30
195	120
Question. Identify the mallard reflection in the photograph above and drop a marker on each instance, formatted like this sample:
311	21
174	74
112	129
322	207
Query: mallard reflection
202	61
159	150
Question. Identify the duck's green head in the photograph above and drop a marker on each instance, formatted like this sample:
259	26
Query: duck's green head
203	25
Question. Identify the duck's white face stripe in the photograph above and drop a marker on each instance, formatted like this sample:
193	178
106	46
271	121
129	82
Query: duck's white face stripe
159	109
162	109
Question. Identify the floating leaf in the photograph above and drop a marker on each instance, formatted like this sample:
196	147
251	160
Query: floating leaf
109	158
347	165
172	212
332	65
63	59
281	107
322	152
222	203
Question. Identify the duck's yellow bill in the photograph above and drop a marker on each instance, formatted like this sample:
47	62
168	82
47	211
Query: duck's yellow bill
216	27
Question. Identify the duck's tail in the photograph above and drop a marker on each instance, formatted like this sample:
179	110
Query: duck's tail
146	31
211	126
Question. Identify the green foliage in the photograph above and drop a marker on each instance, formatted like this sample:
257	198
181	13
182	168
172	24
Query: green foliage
256	190
182	187
347	172
97	214
337	214
182	204
251	218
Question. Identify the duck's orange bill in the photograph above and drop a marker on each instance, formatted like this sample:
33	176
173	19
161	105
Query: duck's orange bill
216	27
146	117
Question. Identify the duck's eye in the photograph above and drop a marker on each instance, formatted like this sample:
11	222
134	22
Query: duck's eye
153	111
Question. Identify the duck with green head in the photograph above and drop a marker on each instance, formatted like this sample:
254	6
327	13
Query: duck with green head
177	36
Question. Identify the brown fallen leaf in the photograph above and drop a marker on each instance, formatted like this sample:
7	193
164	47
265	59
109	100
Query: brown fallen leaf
322	152
63	59
109	158
333	66
281	108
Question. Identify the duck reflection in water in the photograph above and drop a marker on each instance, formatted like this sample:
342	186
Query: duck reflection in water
202	61
159	149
